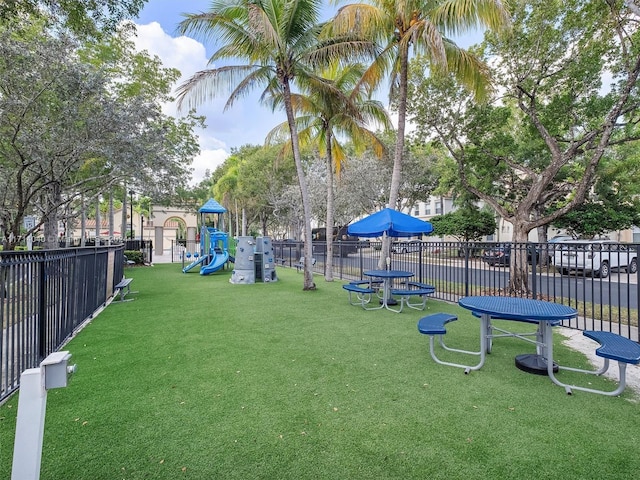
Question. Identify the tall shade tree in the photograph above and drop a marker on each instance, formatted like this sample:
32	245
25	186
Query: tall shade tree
426	26
82	17
336	111
542	141
252	177
280	42
227	190
76	123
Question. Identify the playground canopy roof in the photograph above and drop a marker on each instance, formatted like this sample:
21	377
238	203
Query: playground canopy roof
212	207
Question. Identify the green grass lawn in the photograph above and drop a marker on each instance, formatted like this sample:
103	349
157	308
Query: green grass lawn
201	379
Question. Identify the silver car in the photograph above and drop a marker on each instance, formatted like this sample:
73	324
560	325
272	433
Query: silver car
596	256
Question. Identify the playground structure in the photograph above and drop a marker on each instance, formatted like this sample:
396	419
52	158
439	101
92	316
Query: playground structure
213	253
254	261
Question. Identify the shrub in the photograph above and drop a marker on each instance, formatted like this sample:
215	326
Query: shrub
135	256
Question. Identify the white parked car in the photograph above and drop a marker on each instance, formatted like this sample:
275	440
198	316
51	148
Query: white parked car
596	256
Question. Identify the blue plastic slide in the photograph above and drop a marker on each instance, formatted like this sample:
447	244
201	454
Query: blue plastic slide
194	263
216	263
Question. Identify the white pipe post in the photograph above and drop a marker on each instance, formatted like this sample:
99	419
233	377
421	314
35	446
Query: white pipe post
27	452
32	405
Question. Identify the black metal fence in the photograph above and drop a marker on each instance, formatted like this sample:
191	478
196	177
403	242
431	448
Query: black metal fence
44	297
600	280
144	246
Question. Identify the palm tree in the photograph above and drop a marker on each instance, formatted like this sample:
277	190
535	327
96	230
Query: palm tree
226	189
424	25
280	41
329	112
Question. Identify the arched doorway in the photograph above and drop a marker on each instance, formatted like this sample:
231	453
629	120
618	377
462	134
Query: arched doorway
176	228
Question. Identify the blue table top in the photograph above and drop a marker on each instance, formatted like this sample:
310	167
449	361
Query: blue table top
513	308
387	273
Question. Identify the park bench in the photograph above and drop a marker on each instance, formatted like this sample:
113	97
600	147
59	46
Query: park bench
123	288
300	264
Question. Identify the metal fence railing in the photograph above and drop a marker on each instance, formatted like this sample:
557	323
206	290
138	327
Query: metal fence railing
44	297
599	279
144	246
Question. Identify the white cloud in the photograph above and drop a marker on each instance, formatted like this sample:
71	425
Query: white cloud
188	56
183	53
207	160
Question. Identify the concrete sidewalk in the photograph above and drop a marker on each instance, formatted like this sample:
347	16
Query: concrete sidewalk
165	257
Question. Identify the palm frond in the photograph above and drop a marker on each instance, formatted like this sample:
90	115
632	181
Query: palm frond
226	25
339	156
456	17
278	134
375	115
362	19
260	75
384	65
206	85
301	16
263	23
431	44
470	70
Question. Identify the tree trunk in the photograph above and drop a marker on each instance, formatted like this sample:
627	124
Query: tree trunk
544	259
98	221
304	191
51	219
396	175
111	218
69	224
328	264
244	222
519	267
83	222
123	231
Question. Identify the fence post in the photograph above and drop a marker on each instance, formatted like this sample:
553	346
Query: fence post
534	277
466	269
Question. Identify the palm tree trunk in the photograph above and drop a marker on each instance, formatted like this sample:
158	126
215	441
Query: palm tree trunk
396	175
304	191
402	116
328	265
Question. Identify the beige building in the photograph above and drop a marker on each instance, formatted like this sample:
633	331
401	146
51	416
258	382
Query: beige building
164	228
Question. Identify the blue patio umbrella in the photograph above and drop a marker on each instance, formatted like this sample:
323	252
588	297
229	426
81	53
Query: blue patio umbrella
390	223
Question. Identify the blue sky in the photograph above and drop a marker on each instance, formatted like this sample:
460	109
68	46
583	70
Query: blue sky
246	122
